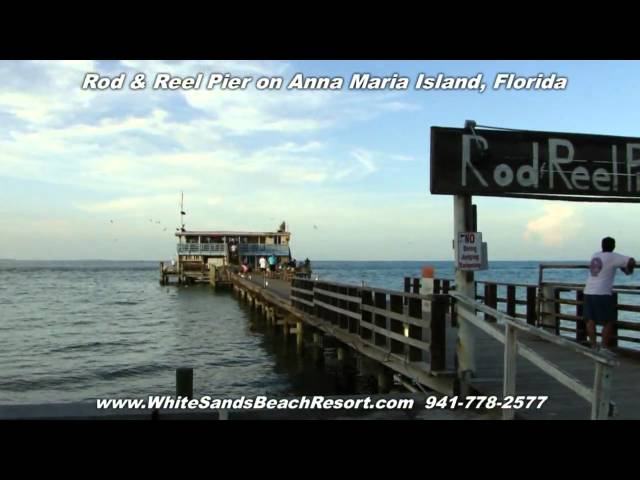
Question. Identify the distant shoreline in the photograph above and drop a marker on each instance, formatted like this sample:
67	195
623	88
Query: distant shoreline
13	260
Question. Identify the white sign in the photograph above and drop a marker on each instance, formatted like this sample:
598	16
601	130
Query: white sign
470	251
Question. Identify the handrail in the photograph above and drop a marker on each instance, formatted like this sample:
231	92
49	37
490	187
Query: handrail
543	334
560	265
541	304
319	298
598	396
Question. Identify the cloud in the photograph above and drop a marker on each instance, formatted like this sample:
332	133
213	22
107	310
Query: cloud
555	227
126	155
131	205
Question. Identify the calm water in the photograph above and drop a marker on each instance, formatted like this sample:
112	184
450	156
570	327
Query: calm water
74	331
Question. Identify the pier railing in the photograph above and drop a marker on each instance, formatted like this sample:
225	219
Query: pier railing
407	326
559	307
555	306
598	395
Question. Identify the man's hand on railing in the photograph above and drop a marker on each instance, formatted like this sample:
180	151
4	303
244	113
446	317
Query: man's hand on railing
628	270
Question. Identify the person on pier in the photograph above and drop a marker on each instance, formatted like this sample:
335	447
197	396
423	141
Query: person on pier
599	305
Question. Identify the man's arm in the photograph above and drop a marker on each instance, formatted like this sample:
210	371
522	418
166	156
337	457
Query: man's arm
631	264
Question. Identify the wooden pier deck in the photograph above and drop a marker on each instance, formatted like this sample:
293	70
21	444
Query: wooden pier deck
531	380
563	403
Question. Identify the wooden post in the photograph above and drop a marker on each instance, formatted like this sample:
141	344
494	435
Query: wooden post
531	305
510	368
437	343
184	382
490	299
299	337
385	380
614	340
601	392
212	276
380	300
465	349
511	300
581	325
548	308
162	273
556	310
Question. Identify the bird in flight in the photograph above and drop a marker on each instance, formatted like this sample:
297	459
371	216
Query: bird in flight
316	227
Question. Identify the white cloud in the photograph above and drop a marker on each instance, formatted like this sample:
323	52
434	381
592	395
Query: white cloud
135	151
130	205
555	227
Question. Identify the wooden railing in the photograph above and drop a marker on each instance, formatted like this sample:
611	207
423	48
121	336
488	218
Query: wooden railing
555	306
407	326
598	395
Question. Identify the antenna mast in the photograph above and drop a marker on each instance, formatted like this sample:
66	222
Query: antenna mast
182	213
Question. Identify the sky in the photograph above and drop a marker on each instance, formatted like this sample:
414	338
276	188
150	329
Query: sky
87	174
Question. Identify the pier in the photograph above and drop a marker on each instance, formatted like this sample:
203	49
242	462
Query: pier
449	336
516	351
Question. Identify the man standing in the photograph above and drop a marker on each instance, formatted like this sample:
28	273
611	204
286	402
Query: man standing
598	299
263	264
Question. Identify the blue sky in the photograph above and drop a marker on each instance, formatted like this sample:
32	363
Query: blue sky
98	174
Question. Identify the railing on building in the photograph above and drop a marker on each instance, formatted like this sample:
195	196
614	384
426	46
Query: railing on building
202	249
222	249
263	249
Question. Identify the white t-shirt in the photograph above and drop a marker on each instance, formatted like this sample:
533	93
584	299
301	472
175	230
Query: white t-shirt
263	262
602	272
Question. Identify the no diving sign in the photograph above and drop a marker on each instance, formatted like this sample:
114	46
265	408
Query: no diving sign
471	252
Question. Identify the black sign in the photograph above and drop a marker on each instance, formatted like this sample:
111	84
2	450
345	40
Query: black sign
530	163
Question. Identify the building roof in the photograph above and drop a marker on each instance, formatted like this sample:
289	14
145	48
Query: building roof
222	233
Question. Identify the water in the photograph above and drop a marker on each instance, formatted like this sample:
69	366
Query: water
76	331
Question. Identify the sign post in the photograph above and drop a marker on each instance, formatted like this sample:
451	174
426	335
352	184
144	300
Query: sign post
520	164
464	221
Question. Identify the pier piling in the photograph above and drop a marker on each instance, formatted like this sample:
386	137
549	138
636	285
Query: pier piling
184	382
